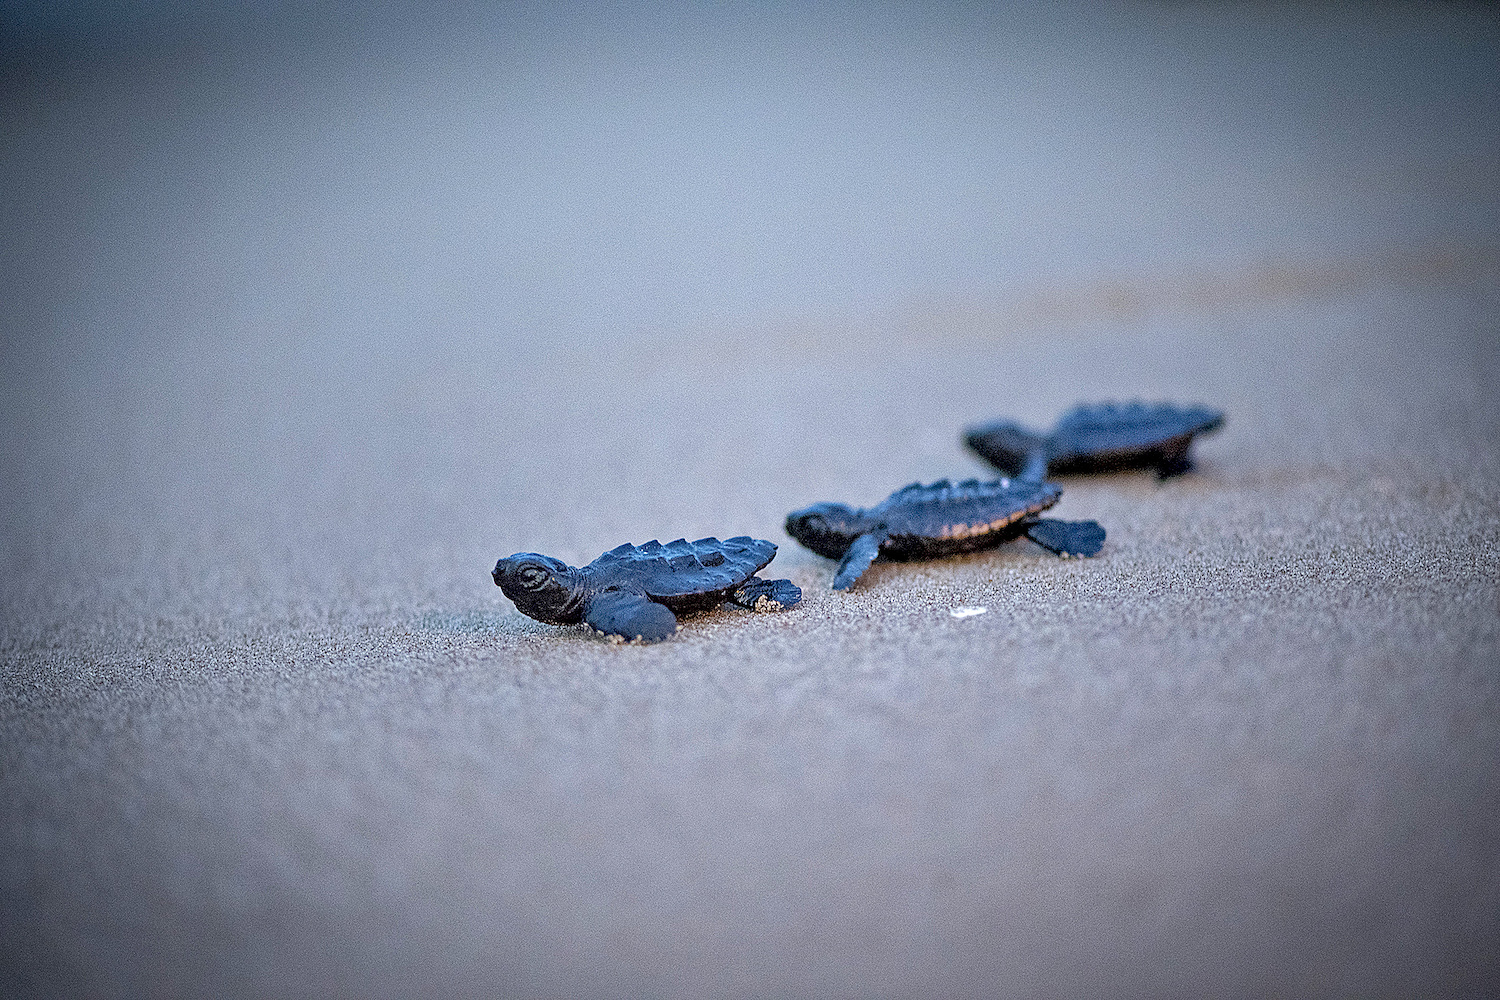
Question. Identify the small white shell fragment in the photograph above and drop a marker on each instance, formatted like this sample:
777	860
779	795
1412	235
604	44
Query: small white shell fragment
967	612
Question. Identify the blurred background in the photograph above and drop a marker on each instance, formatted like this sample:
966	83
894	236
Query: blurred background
308	312
238	231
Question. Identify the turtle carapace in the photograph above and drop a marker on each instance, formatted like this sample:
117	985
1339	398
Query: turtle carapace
637	591
926	522
1105	437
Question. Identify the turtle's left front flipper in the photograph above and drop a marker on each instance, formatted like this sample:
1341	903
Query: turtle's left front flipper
857	559
1067	538
766	595
630	616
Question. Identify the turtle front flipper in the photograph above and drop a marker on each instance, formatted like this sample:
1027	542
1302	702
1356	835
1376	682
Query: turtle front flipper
766	595
1067	538
630	616
1035	469
858	559
1013	450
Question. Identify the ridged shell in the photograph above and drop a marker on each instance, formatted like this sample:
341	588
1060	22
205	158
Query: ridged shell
970	509
680	568
1127	427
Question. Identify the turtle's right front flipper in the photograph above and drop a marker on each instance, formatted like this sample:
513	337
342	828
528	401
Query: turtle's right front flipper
1035	469
858	559
1011	449
630	616
1067	538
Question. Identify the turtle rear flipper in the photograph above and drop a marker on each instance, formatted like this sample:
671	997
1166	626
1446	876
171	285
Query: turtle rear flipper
1173	459
858	559
766	595
1067	538
630	616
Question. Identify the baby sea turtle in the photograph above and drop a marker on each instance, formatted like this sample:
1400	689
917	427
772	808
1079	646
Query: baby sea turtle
637	591
925	522
1102	438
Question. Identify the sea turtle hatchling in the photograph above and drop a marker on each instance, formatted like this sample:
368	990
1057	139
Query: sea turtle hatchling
1105	437
926	522
637	591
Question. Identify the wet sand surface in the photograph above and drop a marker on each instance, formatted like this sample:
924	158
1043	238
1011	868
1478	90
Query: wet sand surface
299	337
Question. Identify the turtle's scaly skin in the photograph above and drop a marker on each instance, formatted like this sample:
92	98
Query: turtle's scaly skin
1106	437
637	591
943	519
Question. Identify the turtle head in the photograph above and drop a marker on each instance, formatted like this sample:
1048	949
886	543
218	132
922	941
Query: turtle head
826	528
542	587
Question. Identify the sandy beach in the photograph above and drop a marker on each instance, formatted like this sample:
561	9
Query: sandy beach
303	329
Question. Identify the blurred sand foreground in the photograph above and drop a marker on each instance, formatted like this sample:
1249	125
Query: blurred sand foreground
302	329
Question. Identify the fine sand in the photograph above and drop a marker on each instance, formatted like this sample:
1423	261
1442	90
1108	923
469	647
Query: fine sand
298	339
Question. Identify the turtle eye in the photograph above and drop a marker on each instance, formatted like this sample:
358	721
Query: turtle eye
534	577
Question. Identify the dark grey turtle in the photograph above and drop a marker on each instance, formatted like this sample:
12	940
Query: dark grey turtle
637	591
925	522
1102	438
